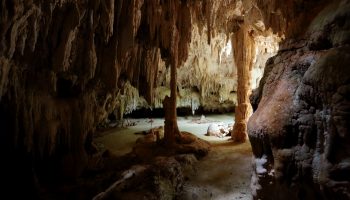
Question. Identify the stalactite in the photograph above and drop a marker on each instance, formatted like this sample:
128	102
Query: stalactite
107	16
290	18
208	9
130	100
243	45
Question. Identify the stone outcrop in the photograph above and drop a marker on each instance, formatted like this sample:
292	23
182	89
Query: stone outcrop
300	127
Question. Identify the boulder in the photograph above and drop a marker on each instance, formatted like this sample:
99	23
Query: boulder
219	129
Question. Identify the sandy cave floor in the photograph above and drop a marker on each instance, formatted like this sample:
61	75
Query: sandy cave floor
224	174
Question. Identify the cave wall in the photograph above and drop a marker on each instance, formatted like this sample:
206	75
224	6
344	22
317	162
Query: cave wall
64	65
208	77
300	129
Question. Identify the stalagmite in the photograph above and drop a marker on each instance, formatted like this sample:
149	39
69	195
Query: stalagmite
243	45
169	104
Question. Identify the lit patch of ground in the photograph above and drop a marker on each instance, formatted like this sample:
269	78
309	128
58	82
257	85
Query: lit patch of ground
223	174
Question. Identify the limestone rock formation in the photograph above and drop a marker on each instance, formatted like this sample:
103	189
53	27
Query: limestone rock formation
244	60
219	129
65	66
300	126
162	180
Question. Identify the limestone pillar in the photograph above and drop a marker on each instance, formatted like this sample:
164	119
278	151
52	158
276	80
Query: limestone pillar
243	45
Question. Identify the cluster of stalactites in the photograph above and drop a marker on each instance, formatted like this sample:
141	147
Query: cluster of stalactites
169	27
289	19
87	52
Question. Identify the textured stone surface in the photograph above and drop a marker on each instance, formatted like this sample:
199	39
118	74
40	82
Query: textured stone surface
300	124
161	180
219	129
64	65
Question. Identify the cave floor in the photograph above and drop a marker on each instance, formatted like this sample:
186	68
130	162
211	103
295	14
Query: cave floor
223	174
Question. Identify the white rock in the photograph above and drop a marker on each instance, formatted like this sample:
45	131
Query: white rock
218	129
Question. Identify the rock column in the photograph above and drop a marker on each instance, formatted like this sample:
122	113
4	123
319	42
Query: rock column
243	45
171	130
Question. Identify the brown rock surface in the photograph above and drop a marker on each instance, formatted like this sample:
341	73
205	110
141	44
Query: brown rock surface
300	125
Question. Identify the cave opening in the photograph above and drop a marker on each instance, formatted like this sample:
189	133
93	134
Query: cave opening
175	99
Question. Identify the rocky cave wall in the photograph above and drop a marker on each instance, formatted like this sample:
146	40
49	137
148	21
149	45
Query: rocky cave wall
208	77
64	65
300	129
